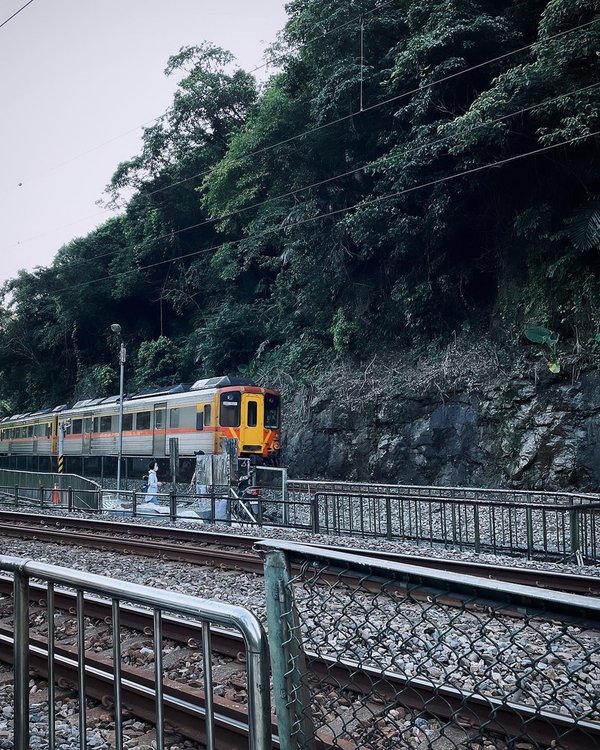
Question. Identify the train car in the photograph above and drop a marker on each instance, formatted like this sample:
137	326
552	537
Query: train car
199	417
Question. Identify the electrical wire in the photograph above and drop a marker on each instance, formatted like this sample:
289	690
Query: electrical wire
356	113
337	212
16	13
382	161
166	113
370	108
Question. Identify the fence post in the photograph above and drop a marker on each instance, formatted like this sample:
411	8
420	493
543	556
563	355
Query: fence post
16	496
21	661
285	496
574	522
388	518
69	499
529	528
172	506
314	510
288	663
476	528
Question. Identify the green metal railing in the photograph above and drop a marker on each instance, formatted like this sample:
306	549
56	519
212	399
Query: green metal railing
44	490
550	531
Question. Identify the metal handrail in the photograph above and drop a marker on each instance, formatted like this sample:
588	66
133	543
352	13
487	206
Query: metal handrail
207	611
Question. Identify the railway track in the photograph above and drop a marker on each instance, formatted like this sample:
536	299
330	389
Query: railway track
223	550
184	704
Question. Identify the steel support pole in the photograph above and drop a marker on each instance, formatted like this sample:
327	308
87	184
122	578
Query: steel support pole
122	356
21	661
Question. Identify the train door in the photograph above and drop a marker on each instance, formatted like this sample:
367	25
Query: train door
54	435
251	427
159	433
86	437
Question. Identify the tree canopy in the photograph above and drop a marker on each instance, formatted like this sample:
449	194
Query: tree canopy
414	169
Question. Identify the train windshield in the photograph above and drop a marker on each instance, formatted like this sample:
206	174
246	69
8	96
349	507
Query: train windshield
230	409
271	410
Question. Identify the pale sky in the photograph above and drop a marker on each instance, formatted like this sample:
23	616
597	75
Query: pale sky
75	77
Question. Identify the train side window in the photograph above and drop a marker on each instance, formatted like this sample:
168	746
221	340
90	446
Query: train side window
207	414
199	421
95	424
48	429
174	418
76	426
271	411
230	409
159	419
105	424
127	422
142	421
252	415
87	425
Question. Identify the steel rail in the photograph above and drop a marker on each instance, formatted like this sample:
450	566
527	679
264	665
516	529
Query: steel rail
249	563
416	694
550	580
184	706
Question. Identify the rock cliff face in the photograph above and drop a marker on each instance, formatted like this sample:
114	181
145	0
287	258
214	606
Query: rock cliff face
509	432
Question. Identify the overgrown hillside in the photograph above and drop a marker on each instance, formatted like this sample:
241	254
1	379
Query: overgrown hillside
416	172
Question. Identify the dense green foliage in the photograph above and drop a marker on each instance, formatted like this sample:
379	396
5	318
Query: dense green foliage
440	177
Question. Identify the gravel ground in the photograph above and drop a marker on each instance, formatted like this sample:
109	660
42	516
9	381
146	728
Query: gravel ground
499	658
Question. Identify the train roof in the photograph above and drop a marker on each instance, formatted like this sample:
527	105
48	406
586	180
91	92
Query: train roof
221	382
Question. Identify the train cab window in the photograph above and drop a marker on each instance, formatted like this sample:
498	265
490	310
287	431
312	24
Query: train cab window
174	418
159	419
271	411
76	426
252	415
127	422
105	424
207	414
199	421
230	409
142	421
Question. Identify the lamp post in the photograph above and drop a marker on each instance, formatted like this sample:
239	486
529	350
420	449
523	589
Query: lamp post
116	328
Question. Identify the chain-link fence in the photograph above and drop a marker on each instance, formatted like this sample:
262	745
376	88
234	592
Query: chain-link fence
380	655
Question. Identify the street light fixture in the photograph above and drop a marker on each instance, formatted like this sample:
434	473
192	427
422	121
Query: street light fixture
116	328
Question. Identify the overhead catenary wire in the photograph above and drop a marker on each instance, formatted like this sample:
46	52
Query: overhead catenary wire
357	113
337	212
162	116
381	161
16	13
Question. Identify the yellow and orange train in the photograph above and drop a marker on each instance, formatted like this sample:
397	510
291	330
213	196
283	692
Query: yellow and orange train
198	416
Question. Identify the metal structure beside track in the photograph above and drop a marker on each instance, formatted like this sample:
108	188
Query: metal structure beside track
153	693
555	526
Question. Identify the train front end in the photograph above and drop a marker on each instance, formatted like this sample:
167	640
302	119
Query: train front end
252	416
